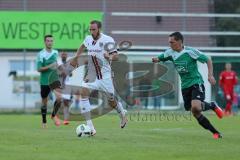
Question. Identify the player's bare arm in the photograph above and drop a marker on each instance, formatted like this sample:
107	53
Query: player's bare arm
211	79
74	60
45	68
80	50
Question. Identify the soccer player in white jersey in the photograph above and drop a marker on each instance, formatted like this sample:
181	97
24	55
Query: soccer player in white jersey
99	62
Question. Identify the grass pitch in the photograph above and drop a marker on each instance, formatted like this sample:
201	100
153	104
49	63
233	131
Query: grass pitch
22	138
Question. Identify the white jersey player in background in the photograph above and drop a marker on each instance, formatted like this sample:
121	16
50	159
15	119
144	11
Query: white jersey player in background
99	63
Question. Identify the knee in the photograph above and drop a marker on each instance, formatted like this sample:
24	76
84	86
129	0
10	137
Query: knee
44	101
59	99
196	110
58	96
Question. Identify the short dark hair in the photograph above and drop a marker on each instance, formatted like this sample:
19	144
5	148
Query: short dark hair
46	36
99	24
177	36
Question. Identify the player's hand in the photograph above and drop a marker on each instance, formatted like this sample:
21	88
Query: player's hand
54	65
74	61
155	60
106	56
211	80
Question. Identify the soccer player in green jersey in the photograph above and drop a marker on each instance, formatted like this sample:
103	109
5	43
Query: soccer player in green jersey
46	65
185	61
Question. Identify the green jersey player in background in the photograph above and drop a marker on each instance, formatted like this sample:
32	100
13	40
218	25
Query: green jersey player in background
193	91
46	65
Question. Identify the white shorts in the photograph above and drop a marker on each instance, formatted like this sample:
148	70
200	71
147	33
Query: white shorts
105	85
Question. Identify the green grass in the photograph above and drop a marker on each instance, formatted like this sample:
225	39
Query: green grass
21	138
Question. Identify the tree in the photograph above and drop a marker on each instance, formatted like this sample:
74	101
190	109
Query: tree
227	24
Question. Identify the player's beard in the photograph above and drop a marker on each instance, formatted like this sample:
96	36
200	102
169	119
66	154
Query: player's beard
97	36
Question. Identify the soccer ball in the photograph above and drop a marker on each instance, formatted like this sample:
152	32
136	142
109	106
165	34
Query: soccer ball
83	130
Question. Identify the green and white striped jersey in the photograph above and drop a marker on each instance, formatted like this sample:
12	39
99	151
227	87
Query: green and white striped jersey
45	58
185	63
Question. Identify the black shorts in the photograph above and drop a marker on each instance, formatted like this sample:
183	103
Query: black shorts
45	89
195	92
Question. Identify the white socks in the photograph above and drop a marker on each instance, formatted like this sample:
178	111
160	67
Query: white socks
90	124
120	109
85	110
85	105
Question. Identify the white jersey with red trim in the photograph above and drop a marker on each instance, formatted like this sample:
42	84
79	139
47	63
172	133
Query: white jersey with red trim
97	64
